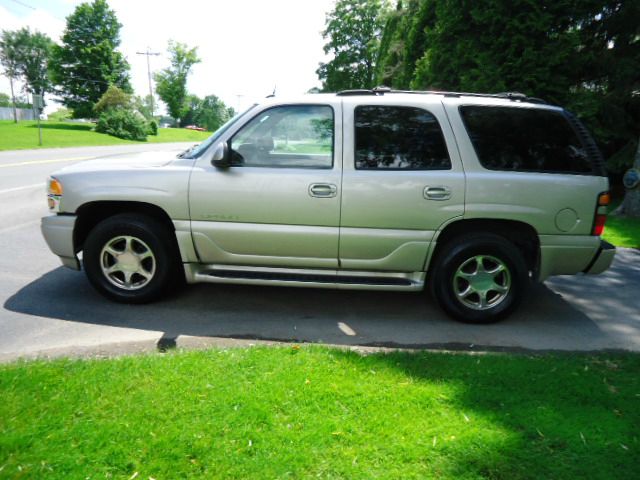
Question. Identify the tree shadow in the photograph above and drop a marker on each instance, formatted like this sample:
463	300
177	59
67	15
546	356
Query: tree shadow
516	416
64	126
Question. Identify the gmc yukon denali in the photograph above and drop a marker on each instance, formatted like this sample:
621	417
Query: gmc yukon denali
474	196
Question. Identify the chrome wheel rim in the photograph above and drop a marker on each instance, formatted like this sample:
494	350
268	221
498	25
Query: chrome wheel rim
482	282
127	262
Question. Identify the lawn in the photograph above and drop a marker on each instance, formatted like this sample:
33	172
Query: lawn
622	231
67	134
319	412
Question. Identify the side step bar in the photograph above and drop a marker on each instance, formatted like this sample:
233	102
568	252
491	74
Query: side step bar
340	279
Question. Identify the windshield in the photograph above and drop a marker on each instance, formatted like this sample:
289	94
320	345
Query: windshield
199	149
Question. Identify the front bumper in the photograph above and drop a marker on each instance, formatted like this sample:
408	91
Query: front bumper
602	259
58	233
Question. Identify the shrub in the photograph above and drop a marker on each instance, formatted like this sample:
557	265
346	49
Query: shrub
123	123
114	97
153	128
60	115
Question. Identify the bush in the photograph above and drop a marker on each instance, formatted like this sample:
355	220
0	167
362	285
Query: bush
114	97
60	115
153	128
123	123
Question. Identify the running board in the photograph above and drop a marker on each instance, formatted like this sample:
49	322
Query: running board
340	279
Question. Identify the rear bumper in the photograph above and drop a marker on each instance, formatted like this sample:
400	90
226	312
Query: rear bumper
572	254
58	233
602	259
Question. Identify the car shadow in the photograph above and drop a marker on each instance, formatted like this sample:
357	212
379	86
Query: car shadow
395	319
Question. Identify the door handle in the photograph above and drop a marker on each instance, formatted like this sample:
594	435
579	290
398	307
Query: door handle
323	190
439	193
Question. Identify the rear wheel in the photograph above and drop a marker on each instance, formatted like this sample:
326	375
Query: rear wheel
131	258
479	278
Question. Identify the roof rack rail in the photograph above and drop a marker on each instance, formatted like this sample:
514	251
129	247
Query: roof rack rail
379	91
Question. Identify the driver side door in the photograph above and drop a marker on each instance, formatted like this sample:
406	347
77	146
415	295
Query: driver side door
278	204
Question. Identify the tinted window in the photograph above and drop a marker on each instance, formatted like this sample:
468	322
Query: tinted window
295	136
525	140
398	138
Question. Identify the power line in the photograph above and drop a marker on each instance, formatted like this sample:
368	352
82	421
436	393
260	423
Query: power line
24	4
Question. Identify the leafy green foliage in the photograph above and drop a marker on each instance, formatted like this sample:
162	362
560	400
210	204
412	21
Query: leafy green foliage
10	53
152	128
88	62
322	413
210	112
34	54
352	31
114	97
123	123
581	55
145	105
171	82
60	115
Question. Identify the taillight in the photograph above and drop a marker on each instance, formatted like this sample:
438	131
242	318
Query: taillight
601	214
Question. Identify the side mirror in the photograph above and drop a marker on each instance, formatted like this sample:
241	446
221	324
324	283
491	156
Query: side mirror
220	157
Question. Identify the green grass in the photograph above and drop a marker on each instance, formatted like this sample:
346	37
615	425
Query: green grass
622	231
66	134
318	412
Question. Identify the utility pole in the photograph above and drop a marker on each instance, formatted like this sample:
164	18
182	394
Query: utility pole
148	53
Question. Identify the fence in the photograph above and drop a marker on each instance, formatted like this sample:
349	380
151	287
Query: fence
6	113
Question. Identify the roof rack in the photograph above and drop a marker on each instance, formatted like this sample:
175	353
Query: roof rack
380	91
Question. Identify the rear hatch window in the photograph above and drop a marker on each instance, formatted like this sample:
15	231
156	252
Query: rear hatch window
531	140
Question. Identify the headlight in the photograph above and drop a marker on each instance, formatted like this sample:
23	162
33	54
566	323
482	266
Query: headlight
54	194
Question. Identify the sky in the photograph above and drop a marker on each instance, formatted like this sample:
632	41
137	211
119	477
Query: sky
247	47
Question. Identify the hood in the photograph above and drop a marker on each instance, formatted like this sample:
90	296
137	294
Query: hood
128	161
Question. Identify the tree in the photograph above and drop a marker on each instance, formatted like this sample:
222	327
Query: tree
582	55
88	62
145	105
171	82
34	57
9	47
352	32
112	98
212	113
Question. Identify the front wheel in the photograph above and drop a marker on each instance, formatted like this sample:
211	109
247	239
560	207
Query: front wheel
479	278
130	258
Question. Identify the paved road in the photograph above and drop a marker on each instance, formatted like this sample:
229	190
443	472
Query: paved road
47	309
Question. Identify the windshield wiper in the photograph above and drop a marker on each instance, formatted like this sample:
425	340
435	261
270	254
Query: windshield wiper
187	151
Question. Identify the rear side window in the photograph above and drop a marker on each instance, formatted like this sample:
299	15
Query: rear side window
398	138
525	140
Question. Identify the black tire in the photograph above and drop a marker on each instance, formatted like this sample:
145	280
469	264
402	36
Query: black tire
478	257
147	234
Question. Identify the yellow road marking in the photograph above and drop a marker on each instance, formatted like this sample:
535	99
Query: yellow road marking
37	162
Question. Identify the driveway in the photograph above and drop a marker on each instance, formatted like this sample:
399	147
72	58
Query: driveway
49	310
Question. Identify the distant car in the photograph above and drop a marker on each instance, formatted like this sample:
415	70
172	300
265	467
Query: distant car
474	195
195	127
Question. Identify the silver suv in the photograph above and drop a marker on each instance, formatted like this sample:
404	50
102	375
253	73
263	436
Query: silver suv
474	195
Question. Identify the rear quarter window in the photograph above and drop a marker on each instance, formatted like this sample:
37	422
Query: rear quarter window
525	140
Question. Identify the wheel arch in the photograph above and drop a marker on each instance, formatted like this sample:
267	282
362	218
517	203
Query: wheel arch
521	234
92	213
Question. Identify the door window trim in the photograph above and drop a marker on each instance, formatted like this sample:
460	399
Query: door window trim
261	112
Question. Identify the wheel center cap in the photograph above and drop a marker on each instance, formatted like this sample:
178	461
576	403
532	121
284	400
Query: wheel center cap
482	281
128	262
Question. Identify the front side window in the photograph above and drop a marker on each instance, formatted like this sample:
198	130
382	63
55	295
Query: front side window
525	140
294	136
398	138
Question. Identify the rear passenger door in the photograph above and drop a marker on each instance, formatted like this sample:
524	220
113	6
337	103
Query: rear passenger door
402	180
